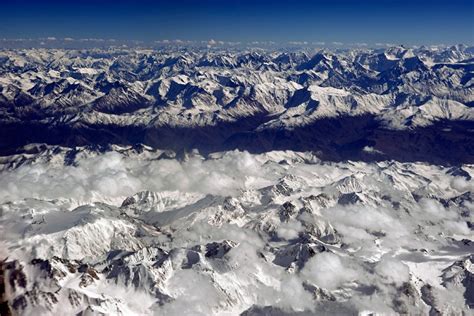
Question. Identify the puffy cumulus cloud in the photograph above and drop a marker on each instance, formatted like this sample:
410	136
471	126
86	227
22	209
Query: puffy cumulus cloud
112	175
193	294
262	283
462	185
292	296
248	280
434	210
358	223
469	205
3	247
289	230
457	228
365	268
245	257
392	270
328	270
248	277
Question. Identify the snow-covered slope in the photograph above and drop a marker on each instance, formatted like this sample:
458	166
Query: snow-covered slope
223	182
68	97
128	232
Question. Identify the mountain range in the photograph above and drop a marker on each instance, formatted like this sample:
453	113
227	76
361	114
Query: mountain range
334	102
237	181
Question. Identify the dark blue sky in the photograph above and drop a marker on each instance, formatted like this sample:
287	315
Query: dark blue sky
370	21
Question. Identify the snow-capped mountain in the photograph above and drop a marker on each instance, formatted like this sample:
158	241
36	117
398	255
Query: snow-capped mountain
130	232
217	100
201	181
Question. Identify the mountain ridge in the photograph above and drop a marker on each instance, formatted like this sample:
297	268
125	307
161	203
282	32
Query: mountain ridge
153	97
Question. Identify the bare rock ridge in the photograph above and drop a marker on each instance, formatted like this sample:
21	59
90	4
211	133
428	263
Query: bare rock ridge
240	233
335	102
234	181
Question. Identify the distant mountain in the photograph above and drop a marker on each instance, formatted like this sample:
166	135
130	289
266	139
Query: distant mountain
80	97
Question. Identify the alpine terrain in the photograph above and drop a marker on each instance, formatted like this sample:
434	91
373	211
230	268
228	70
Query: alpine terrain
237	181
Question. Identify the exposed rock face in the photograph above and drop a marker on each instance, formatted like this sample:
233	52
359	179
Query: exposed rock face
364	104
171	182
308	236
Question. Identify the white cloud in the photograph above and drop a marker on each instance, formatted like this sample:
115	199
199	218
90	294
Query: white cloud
462	185
376	241
327	270
301	43
355	220
435	210
289	230
392	271
385	44
115	176
371	150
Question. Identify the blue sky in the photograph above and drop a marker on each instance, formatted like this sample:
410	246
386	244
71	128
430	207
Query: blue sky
369	21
